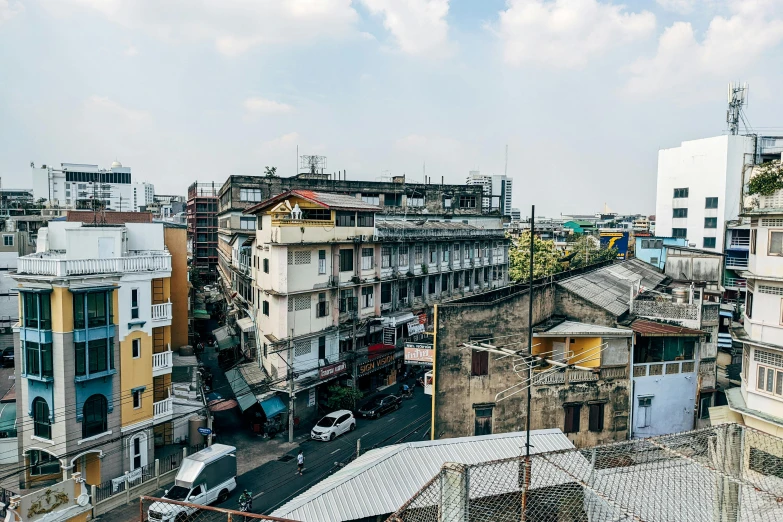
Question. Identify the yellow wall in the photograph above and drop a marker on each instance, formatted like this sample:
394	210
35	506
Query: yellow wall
176	240
62	309
135	373
582	347
116	306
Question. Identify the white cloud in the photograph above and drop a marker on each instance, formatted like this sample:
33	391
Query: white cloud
108	107
131	51
418	26
728	48
286	140
9	9
235	26
567	33
678	6
261	105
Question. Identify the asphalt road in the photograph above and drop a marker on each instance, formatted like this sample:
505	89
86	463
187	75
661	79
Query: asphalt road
276	482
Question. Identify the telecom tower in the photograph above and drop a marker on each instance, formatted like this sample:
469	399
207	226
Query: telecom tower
738	98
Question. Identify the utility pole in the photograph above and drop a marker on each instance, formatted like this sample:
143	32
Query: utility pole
355	368
291	395
528	466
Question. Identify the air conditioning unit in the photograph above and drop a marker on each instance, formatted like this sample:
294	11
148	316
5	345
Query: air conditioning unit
375	238
365	238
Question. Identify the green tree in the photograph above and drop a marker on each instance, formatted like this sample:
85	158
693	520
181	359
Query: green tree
343	397
270	172
767	179
587	250
545	258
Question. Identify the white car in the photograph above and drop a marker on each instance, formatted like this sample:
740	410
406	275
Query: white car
333	425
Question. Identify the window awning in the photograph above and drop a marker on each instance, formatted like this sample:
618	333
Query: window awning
245	324
272	406
242	392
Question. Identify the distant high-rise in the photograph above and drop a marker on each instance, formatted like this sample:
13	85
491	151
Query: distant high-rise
497	190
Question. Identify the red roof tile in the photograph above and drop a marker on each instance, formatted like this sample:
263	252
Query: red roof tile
654	329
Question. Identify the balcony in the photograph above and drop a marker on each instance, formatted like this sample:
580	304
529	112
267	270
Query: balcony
736	262
735	282
739	243
161	313
666	310
162	411
162	362
663	368
51	265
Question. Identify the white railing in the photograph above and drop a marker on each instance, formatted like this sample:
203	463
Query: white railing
663	368
737	282
742	242
161	312
736	262
665	309
162	362
581	376
70	267
163	410
614	373
556	377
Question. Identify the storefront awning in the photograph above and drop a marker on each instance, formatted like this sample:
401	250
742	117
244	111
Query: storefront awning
272	406
225	338
245	324
241	390
200	314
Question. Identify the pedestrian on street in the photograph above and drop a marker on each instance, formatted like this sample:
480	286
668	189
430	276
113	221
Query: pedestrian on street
300	462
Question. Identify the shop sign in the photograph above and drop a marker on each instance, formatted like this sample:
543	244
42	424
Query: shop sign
415	327
418	354
333	369
375	364
311	398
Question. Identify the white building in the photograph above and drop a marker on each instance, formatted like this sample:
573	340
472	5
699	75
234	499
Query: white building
75	185
497	190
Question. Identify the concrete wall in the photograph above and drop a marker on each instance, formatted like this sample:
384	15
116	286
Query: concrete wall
177	244
673	403
693	266
571	305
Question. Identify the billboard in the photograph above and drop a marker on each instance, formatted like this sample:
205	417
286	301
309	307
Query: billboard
418	354
618	240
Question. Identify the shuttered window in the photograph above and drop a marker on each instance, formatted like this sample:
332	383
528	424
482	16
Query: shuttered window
480	363
571	424
483	421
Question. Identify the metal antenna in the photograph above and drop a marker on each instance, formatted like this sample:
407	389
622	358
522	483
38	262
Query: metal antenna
737	99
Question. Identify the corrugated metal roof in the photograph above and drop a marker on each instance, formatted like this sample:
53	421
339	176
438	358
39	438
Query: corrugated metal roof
576	328
654	329
427	225
610	286
382	480
330	200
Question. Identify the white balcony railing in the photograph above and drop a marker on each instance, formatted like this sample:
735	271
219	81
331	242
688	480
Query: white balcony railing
663	368
162	362
50	266
161	312
162	411
736	262
740	242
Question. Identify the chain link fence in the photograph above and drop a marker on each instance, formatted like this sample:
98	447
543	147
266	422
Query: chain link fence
153	509
719	474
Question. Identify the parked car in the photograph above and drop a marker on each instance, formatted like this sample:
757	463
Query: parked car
333	425
380	405
8	357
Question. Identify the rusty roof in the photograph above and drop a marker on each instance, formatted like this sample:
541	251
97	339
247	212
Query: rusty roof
112	218
330	200
647	328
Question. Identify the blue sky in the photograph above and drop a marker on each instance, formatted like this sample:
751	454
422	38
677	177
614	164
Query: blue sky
584	92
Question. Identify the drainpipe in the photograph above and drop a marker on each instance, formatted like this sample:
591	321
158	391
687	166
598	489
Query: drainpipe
631	398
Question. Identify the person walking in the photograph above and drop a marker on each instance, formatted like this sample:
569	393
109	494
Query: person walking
300	462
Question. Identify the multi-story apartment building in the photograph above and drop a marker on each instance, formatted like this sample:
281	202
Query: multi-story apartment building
202	207
497	190
94	342
338	286
77	185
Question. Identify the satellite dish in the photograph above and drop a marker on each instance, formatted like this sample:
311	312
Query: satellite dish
83	500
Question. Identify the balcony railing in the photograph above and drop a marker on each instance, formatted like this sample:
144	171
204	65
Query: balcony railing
736	262
302	222
434	233
666	310
162	411
735	282
161	312
740	242
663	368
50	266
162	362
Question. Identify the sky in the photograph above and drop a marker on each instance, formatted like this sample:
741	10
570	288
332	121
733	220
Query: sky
583	92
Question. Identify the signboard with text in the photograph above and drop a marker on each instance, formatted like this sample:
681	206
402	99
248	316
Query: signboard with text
618	240
333	369
375	364
420	354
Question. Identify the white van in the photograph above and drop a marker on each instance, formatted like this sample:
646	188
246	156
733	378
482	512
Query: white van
205	477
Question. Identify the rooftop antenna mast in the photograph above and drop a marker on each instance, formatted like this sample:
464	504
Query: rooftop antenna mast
737	99
312	164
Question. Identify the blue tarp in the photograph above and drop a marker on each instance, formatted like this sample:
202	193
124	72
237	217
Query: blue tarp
272	406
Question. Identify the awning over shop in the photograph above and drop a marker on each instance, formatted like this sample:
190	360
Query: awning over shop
225	338
242	392
245	324
272	406
200	314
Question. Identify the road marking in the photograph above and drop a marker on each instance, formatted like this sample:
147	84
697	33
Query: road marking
414	406
258	494
335	451
390	420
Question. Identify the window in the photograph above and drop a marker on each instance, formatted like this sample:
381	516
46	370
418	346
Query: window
765	463
643	415
403	256
679	212
37	310
251	195
372	199
266	265
367	297
467	202
321	262
447	202
444	282
137	398
775	243
753	241
770	380
136	346
386	293
572	412
322	348
433	253
705	401
346	260
135	303
365	219
710	222
749	304
446	253
38	359
596	417
100	355
483	421
136	452
652	243
265	308
347	301
709	242
653	260
321	309
681	193
418	287
385	257
367	258
247	223
479	363
42	425
42	463
95	413
711	203
679	232
416	200
431	284
8	240
418	254
346	219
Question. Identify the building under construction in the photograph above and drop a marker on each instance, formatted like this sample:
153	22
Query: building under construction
202	209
